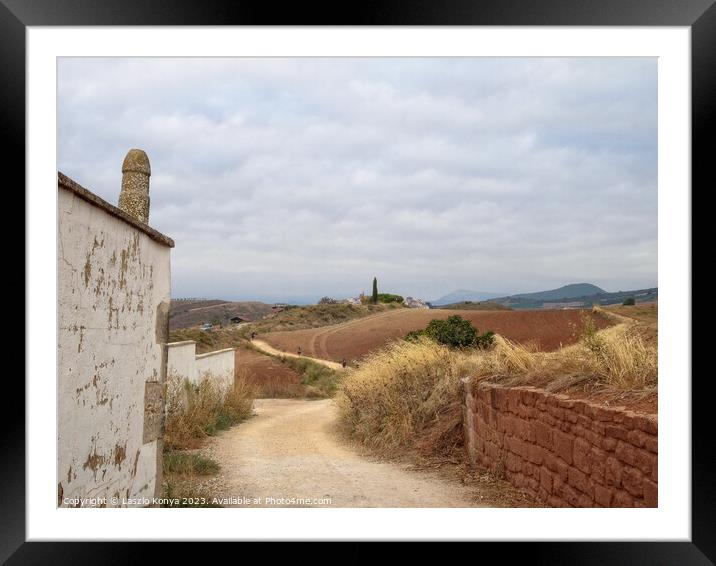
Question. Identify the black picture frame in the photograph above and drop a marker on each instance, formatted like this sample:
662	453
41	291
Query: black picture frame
699	15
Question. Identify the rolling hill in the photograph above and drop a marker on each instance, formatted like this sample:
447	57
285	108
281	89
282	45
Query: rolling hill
573	295
464	295
571	291
187	313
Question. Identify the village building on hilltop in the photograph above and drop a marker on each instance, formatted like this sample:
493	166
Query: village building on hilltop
412	303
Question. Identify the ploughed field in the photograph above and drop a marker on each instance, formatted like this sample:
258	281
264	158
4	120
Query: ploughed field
267	375
546	329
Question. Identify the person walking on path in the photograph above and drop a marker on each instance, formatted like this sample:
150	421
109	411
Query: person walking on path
299	350
344	363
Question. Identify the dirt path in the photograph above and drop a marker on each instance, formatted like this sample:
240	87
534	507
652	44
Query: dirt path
265	347
290	450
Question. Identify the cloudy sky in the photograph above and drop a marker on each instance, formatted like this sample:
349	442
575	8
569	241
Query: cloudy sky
296	178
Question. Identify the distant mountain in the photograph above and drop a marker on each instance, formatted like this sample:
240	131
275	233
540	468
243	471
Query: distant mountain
566	292
582	295
463	295
569	296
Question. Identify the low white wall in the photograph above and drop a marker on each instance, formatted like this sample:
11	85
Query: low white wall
181	360
184	363
218	366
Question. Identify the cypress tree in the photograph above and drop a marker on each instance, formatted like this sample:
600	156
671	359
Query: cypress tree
375	291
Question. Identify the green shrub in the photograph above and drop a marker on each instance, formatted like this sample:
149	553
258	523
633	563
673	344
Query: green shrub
629	301
455	332
319	380
389	298
189	464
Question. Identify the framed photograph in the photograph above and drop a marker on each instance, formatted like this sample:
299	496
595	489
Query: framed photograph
389	279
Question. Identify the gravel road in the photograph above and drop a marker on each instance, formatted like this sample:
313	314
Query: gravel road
290	453
266	347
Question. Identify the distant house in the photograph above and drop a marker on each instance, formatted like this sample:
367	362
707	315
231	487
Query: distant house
412	303
238	319
353	301
278	307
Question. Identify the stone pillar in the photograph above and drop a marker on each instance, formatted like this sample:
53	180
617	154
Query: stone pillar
134	197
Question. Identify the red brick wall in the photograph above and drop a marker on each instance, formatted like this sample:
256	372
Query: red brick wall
562	451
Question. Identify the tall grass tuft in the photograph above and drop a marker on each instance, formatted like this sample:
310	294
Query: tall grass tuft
195	411
406	391
408	395
621	358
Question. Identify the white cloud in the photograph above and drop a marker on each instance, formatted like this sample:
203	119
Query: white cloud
309	176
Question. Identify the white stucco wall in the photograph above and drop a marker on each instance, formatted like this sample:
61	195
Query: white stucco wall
181	360
113	304
183	364
218	366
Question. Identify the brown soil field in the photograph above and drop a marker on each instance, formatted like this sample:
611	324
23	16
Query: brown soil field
268	375
546	329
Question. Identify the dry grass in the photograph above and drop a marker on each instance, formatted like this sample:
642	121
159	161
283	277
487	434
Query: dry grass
197	411
647	313
618	358
183	474
302	377
405	392
193	413
272	386
408	396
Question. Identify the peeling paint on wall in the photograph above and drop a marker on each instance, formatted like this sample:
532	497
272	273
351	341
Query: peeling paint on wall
153	411
113	299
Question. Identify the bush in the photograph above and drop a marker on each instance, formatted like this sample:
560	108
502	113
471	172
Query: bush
318	380
455	332
407	396
195	411
389	298
629	301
